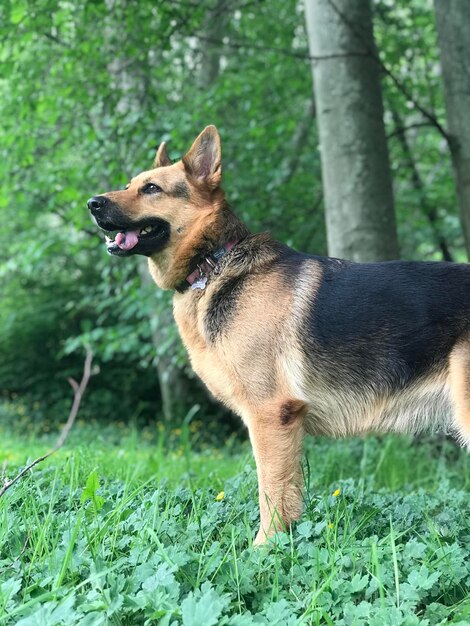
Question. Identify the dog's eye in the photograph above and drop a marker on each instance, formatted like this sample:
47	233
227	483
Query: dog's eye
151	188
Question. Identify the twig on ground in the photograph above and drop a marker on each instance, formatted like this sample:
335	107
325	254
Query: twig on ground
3	479
17	558
78	390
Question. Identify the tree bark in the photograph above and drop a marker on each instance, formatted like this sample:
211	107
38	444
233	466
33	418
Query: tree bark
360	216
453	28
214	27
175	386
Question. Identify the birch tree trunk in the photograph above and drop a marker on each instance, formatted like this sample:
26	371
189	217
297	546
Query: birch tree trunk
360	217
213	30
453	28
175	386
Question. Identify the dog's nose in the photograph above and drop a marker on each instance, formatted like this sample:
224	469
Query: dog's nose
96	203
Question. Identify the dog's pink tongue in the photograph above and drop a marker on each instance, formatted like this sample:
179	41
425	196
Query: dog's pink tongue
127	240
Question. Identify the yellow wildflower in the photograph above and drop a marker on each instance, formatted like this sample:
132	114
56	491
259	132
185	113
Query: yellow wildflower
330	525
220	496
336	493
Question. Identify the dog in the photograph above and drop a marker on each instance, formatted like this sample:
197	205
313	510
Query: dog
294	343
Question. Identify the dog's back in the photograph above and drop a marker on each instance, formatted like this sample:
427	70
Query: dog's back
377	343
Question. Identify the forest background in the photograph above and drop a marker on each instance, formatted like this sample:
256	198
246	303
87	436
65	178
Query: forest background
345	128
88	90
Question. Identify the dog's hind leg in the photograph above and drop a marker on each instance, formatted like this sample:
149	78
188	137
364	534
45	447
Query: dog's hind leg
459	379
276	433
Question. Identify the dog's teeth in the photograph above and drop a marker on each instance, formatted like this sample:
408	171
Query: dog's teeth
108	239
147	229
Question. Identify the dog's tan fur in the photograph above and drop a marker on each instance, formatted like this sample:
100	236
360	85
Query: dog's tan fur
253	359
459	379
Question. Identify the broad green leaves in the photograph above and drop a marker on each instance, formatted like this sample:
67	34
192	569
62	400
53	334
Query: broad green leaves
89	493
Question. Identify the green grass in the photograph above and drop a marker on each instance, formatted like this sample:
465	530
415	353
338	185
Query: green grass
125	528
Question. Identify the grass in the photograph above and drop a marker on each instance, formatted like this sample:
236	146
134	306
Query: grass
133	528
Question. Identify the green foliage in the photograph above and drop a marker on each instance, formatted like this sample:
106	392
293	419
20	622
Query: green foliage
407	42
89	493
81	113
80	118
383	539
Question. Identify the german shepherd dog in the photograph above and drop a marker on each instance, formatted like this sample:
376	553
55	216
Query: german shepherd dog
291	342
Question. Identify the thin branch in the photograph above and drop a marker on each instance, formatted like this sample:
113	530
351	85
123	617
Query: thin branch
430	116
401	130
298	142
314	224
428	209
56	40
3	479
237	45
79	390
18	557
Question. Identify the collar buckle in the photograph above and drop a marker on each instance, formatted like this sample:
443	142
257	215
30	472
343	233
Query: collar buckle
198	278
210	262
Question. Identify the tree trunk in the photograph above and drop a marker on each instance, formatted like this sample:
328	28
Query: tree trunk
214	28
174	384
453	28
360	217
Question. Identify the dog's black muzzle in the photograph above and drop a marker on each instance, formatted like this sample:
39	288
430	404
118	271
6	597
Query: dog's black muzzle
148	235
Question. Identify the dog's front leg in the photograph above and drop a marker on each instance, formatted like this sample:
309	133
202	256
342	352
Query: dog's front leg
276	434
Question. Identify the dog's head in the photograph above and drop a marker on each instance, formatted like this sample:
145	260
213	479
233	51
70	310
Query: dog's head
169	213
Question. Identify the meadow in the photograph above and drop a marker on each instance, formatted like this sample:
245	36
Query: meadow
130	526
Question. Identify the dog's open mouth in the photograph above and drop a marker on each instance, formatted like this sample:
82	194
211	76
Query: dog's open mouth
128	239
139	239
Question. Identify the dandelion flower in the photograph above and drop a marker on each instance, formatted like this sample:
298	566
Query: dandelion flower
330	525
336	493
220	496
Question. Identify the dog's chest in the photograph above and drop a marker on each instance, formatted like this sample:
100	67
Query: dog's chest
206	359
240	365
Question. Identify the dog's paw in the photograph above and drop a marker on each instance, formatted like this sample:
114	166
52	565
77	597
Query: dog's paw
263	537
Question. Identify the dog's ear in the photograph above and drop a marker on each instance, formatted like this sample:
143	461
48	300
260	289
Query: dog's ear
162	158
204	159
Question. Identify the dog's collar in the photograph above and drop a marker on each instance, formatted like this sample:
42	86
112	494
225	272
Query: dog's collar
198	278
